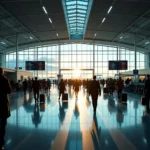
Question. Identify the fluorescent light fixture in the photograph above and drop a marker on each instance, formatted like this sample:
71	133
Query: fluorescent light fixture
95	34
31	37
103	20
57	34
3	43
50	20
109	10
44	9
147	42
121	37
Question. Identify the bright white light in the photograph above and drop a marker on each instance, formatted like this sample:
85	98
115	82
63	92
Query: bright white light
121	37
147	42
57	34
103	20
109	10
50	20
76	73
31	38
3	43
44	9
95	34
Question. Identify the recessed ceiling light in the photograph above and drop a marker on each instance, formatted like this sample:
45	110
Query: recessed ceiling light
103	20
109	10
57	34
50	20
3	43
95	34
121	37
31	37
44	9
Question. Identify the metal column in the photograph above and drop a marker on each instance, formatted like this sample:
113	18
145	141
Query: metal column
93	58
59	59
117	59
16	57
135	59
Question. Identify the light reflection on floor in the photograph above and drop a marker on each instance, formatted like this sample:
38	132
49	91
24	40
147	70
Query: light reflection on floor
72	125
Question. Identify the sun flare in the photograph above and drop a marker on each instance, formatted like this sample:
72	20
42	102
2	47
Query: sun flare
76	73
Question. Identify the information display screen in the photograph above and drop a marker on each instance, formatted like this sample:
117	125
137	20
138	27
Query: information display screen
35	65
118	65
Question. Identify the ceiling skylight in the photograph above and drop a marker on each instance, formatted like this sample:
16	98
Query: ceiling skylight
77	14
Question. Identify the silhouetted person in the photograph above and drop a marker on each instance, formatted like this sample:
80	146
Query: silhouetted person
94	92
76	88
120	86
61	88
25	86
147	91
36	89
5	89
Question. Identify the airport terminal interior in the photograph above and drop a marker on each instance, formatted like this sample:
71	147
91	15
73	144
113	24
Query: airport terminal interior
74	40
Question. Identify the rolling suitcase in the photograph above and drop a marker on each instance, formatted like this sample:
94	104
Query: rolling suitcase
42	98
124	97
106	90
65	97
143	101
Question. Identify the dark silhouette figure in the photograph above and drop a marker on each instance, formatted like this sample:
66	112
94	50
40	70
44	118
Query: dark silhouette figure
147	92
76	88
120	86
5	89
94	92
61	88
25	86
36	118
36	89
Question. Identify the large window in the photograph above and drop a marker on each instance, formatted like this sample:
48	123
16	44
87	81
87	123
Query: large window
75	56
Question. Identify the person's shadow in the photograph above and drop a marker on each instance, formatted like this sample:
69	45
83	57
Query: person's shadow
48	98
95	133
36	118
62	112
76	110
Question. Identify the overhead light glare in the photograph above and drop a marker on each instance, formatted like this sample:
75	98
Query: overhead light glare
44	10
103	20
50	20
95	34
57	34
121	37
3	43
31	37
147	42
109	10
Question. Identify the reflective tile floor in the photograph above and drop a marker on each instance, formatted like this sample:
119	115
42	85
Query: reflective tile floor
72	125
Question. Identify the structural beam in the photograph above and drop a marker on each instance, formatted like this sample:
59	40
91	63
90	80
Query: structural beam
132	24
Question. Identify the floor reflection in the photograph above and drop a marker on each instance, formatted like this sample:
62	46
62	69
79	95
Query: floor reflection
72	126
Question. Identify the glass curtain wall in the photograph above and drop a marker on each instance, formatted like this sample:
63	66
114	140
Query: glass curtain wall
77	57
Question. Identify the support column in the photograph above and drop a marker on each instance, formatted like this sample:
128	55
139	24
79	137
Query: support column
117	58
16	57
59	59
93	58
59	76
135	52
